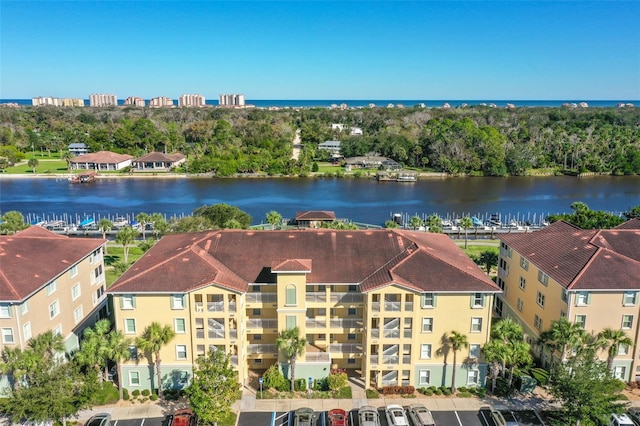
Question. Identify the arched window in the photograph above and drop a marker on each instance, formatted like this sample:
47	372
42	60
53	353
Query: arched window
291	296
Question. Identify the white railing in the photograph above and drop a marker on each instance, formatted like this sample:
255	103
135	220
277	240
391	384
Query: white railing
375	306
408	333
216	334
375	333
374	359
317	357
346	323
232	306
406	359
258	349
234	360
408	306
261	297
313	323
346	348
346	298
262	323
215	306
233	333
316	297
392	306
390	359
393	333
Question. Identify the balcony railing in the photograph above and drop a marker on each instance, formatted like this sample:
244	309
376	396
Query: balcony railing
314	323
232	307
346	348
261	297
346	298
262	323
375	306
317	357
216	334
393	333
234	360
390	359
375	333
408	333
233	333
259	349
346	323
408	306
215	306
392	306
316	297
406	359
199	333
374	359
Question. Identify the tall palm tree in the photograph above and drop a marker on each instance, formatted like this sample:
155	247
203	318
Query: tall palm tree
488	259
519	353
497	353
117	350
293	345
466	223
456	341
434	223
67	156
126	237
154	337
143	219
93	347
13	365
47	345
105	225
274	218
610	339
567	335
507	330
33	163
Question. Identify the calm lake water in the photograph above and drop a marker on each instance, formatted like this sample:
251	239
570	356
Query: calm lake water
360	200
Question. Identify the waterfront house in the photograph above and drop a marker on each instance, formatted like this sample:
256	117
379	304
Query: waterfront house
367	162
101	161
158	162
49	282
314	219
78	148
591	277
376	303
332	146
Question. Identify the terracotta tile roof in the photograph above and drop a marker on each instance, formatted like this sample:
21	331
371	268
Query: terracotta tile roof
582	259
34	257
630	224
102	157
316	215
235	258
160	157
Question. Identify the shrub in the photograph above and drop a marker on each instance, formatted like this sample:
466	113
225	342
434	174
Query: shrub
300	385
465	394
135	393
446	391
153	397
321	385
480	392
273	378
462	389
343	393
125	394
146	392
432	388
372	394
337	381
428	392
438	391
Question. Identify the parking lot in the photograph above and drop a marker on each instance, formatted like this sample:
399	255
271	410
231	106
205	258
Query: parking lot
448	418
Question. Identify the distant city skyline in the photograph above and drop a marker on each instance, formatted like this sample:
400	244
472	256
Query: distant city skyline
512	50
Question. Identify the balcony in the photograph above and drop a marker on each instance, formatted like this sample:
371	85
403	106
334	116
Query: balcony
317	357
316	297
375	306
392	333
375	333
374	359
233	333
390	359
346	323
215	306
406	359
408	306
345	348
346	298
314	323
216	334
261	349
262	323
408	333
262	298
234	360
392	306
232	307
199	333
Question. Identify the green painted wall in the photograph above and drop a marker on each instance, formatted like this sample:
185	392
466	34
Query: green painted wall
172	378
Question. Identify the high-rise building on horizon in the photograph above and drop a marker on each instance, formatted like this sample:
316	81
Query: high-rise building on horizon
232	100
161	101
72	102
102	100
46	100
194	100
134	101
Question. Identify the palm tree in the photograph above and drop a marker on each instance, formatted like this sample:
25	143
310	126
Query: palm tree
566	335
126	236
519	353
47	345
154	337
143	219
12	365
160	224
117	350
33	163
466	223
456	341
497	353
611	339
434	222
67	156
274	218
415	222
507	330
105	225
293	346
93	347
488	259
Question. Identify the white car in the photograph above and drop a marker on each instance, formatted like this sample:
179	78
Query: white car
420	415
395	415
620	420
368	416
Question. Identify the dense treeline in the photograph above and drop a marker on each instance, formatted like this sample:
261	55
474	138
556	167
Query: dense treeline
472	140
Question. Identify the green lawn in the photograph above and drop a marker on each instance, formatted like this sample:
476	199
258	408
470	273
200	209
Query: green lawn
116	254
45	166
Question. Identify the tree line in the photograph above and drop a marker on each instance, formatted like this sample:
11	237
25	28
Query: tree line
472	140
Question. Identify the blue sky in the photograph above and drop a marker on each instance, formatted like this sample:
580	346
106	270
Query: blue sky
511	50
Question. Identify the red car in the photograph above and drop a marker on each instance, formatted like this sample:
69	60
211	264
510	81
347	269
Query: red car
338	417
184	417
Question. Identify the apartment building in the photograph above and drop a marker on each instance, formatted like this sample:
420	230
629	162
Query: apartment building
231	100
49	282
191	101
591	277
375	302
46	101
72	102
134	101
102	100
160	102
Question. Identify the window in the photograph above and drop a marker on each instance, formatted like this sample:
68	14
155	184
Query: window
351	336
623	349
180	325
5	311
52	287
7	335
620	372
257	312
476	324
181	351
257	337
177	301
473	377
543	278
564	295
54	309
427	325
77	314
26	331
540	299
291	322
537	322
630	298
57	331
627	321
428	300
563	314
352	312
583	298
474	351
73	271
97	273
581	320
133	352
129	326
425	351
128	301
524	263
134	378
199	350
75	291
424	377
523	283
477	300
520	304
24	308
257	361
351	361
291	298
353	287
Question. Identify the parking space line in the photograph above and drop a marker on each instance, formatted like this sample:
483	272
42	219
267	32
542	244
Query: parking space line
115	423
458	417
484	418
142	423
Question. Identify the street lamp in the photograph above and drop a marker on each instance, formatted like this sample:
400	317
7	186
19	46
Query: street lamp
260	381
310	385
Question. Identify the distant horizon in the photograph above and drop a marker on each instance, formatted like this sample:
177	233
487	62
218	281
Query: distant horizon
302	50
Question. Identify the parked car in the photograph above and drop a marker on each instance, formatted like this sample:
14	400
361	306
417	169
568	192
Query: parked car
304	417
338	417
420	415
395	415
634	415
184	417
368	416
503	417
101	419
620	420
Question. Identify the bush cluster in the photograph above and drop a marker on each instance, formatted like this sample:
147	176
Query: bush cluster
397	390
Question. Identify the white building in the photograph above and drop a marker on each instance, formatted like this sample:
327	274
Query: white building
231	100
42	101
134	101
160	101
191	101
102	100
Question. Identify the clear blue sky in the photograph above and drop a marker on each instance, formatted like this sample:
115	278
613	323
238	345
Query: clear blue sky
502	50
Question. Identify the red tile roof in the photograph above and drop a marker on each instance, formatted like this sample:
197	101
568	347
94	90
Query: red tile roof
32	258
582	259
235	258
316	215
160	157
102	157
630	224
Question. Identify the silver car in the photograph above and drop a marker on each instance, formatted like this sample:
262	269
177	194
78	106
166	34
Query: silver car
368	416
395	415
504	417
420	415
102	419
304	417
